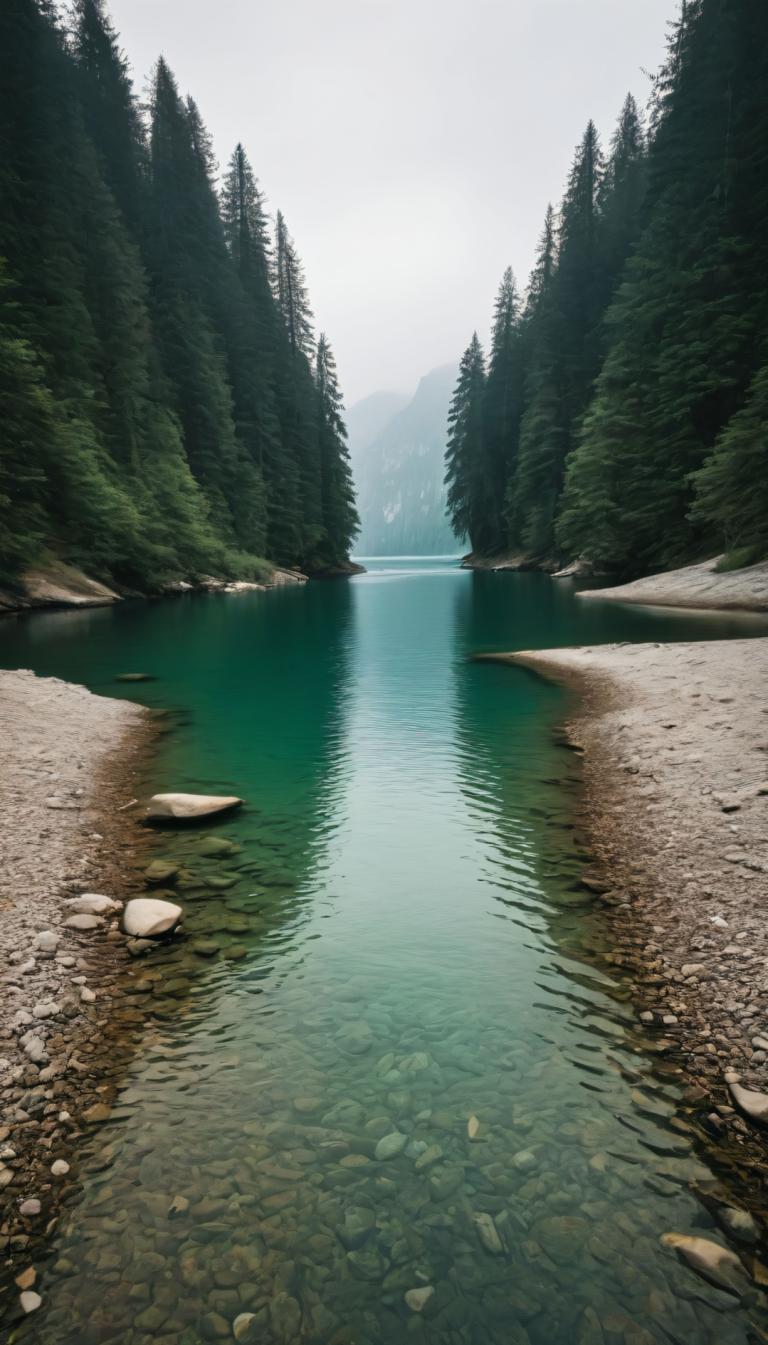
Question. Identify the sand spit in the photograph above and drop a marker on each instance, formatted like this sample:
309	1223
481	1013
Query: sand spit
675	738
696	586
69	762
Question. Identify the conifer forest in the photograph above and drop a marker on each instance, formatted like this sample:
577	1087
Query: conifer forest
167	407
620	415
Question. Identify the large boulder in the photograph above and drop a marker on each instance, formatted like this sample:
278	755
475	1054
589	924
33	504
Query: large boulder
188	807
713	1262
149	918
752	1104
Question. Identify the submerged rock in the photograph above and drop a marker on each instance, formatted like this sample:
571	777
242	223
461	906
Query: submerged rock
148	917
417	1299
161	871
390	1146
713	1262
84	923
188	807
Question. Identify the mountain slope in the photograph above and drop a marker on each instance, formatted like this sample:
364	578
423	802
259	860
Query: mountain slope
399	472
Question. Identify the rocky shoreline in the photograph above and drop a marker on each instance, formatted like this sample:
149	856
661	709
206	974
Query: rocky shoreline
63	586
675	744
71	763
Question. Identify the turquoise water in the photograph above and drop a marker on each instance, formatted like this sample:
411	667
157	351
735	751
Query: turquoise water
396	949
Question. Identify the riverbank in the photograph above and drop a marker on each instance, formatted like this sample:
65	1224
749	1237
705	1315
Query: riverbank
63	586
70	763
675	742
695	586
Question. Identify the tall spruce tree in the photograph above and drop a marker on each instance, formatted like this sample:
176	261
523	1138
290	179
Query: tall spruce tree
502	409
339	516
464	454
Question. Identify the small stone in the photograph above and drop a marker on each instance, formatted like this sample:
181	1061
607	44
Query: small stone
47	1008
148	917
739	1223
93	903
30	1301
84	923
26	1278
417	1299
473	1127
60	1168
390	1146
46	943
242	1328
30	1207
185	807
96	1114
488	1233
178	1206
87	996
161	871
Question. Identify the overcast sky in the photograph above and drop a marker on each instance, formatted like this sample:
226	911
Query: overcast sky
411	144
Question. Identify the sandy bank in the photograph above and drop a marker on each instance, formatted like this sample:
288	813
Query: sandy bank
695	586
68	762
676	779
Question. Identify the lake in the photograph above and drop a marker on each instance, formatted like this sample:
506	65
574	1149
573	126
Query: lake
385	1089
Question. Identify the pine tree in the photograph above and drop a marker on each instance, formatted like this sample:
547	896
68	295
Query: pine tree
339	515
683	326
291	292
534	488
732	487
502	410
464	452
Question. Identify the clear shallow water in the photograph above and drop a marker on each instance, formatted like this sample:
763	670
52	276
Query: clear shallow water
398	944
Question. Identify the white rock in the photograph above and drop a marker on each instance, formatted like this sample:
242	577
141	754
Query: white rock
85	923
30	1301
417	1299
92	903
30	1207
60	1168
34	1048
47	1008
710	1260
87	996
162	807
147	917
47	942
752	1104
65	959
242	1324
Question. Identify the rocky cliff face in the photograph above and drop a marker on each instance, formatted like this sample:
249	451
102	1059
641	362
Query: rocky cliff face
397	456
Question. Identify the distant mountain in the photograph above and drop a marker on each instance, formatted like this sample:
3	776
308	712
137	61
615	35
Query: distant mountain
366	419
397	455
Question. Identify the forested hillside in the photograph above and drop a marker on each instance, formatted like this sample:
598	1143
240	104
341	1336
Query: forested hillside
622	414
399	474
165	408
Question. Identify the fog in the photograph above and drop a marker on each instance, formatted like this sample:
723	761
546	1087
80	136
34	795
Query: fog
411	144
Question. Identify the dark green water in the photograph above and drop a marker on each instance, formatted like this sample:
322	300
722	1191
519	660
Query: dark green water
402	946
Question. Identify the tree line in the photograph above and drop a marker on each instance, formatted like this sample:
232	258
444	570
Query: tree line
621	415
165	407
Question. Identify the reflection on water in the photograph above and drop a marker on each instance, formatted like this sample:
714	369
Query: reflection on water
385	1089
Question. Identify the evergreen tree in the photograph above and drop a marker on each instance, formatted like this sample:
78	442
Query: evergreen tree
464	453
732	486
291	292
502	410
534	488
339	515
688	317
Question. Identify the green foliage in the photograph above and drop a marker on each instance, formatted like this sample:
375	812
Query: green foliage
641	429
464	458
159	413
